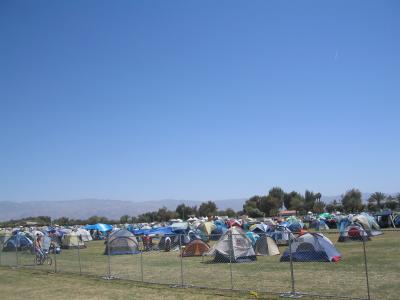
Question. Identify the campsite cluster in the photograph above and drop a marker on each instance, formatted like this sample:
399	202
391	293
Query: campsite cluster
224	239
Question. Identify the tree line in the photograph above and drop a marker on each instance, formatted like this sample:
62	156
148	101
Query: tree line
257	206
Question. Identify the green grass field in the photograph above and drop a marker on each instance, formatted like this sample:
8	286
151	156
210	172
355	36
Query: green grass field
267	274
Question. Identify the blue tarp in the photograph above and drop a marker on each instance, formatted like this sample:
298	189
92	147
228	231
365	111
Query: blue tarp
181	227
160	230
99	226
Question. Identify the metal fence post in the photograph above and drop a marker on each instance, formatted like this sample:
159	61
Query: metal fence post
366	268
79	257
16	249
55	261
34	252
181	257
293	291
141	263
231	253
108	259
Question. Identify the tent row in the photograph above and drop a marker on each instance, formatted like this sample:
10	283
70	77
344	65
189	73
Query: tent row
235	246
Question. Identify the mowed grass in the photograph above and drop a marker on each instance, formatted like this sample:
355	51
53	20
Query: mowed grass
267	274
32	284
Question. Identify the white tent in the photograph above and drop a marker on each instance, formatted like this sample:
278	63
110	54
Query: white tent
266	246
85	235
233	246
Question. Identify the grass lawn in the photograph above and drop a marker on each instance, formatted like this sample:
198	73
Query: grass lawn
345	278
31	284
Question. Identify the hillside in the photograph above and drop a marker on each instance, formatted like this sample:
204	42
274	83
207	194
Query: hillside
82	209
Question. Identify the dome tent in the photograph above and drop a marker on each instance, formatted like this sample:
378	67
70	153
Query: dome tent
281	234
312	247
18	241
369	224
122	242
352	232
233	246
85	235
259	228
195	248
266	246
173	241
207	227
72	240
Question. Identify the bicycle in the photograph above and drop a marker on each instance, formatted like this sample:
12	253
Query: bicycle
43	259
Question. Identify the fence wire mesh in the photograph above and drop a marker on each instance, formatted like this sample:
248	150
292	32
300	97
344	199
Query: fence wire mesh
321	268
315	264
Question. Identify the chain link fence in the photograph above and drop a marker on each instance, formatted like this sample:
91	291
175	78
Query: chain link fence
314	264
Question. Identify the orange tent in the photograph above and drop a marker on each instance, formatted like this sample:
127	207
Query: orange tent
195	248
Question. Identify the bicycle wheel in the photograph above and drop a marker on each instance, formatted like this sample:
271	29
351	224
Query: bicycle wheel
37	260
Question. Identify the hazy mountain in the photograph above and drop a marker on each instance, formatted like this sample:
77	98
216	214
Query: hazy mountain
82	209
114	209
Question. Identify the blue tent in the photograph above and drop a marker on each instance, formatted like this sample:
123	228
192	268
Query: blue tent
219	230
280	234
18	241
312	247
253	237
161	230
397	221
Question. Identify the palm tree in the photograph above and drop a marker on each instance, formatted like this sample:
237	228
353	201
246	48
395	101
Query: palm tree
377	197
318	197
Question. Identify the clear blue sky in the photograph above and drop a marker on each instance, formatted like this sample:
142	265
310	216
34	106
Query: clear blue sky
142	100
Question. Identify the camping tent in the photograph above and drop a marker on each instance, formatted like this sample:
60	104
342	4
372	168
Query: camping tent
19	241
233	246
233	222
72	240
253	237
122	242
220	229
207	227
259	228
173	241
368	223
266	246
195	248
281	235
179	227
352	232
319	224
372	227
85	235
312	247
385	219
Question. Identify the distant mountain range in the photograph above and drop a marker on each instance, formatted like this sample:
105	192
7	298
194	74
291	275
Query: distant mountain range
114	209
85	208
